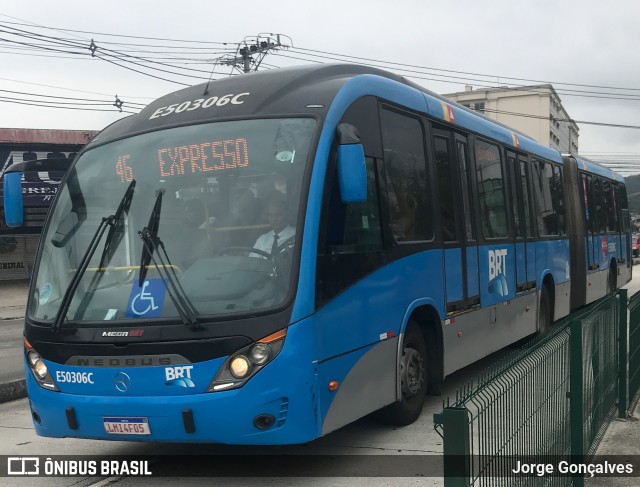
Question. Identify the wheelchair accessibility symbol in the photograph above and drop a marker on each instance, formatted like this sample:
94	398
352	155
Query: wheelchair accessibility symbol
146	301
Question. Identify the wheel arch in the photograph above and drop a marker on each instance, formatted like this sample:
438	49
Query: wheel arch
548	285
425	314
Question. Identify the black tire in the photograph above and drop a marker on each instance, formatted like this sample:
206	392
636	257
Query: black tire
544	314
414	378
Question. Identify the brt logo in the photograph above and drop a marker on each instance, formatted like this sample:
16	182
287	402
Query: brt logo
179	376
498	272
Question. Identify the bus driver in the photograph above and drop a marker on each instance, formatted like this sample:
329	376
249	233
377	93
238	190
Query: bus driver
280	231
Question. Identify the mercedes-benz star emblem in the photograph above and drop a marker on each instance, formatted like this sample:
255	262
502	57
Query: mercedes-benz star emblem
122	381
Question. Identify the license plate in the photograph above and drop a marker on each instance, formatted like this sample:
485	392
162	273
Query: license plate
126	426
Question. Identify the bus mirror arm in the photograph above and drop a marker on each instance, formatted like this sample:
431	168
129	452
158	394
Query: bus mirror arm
352	169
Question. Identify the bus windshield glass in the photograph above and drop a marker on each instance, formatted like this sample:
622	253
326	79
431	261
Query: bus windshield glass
213	206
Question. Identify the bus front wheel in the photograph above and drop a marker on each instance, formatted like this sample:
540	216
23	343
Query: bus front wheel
413	379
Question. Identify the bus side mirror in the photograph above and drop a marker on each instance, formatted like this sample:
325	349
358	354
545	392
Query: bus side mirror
352	173
13	209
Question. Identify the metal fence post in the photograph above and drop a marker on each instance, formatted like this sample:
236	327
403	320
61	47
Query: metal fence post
623	357
456	447
576	397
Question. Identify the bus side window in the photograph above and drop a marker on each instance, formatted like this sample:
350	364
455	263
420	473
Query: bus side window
558	198
524	187
445	189
355	227
546	191
406	171
350	238
624	208
491	191
465	182
350	243
612	208
600	223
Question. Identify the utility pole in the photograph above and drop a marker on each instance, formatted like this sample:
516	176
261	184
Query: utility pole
252	51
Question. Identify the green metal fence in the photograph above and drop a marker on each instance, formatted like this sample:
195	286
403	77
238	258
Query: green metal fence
634	346
550	400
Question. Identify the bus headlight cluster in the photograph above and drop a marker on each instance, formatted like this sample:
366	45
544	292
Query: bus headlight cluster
245	363
38	368
260	353
240	367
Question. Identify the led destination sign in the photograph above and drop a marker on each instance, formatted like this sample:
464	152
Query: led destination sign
191	159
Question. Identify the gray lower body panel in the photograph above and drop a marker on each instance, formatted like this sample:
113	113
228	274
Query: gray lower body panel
471	336
369	385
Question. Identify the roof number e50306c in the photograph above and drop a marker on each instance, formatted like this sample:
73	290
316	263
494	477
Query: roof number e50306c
189	106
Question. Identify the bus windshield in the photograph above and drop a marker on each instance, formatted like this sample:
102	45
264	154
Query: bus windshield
218	202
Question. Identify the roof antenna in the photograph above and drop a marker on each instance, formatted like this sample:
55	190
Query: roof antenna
206	88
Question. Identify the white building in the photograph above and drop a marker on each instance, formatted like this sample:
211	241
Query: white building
533	110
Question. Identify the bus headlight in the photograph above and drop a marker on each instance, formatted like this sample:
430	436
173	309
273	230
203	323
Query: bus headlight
245	363
240	366
33	357
260	353
38	368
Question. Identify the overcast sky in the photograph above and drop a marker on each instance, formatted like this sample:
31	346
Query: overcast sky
582	42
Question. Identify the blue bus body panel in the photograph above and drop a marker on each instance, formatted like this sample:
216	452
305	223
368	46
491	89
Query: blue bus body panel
552	257
285	388
497	273
604	249
378	303
393	91
362	325
353	89
453	273
473	277
521	270
592	167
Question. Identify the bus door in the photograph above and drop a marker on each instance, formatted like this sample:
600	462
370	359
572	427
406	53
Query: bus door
621	240
623	211
525	273
459	246
589	215
524	189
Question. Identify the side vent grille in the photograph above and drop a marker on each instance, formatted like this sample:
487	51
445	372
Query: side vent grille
284	409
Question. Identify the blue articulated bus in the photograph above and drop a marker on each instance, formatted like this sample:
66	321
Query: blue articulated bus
269	257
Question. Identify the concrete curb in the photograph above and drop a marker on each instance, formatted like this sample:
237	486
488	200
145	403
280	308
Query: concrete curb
10	391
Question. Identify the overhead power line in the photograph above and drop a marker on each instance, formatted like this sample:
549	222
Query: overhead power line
542	117
146	59
59	29
108	55
75	106
467	72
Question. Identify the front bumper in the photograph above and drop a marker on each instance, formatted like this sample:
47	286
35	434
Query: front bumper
283	389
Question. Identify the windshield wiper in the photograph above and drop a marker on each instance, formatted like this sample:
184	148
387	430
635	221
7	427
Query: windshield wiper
116	232
112	221
151	242
114	237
